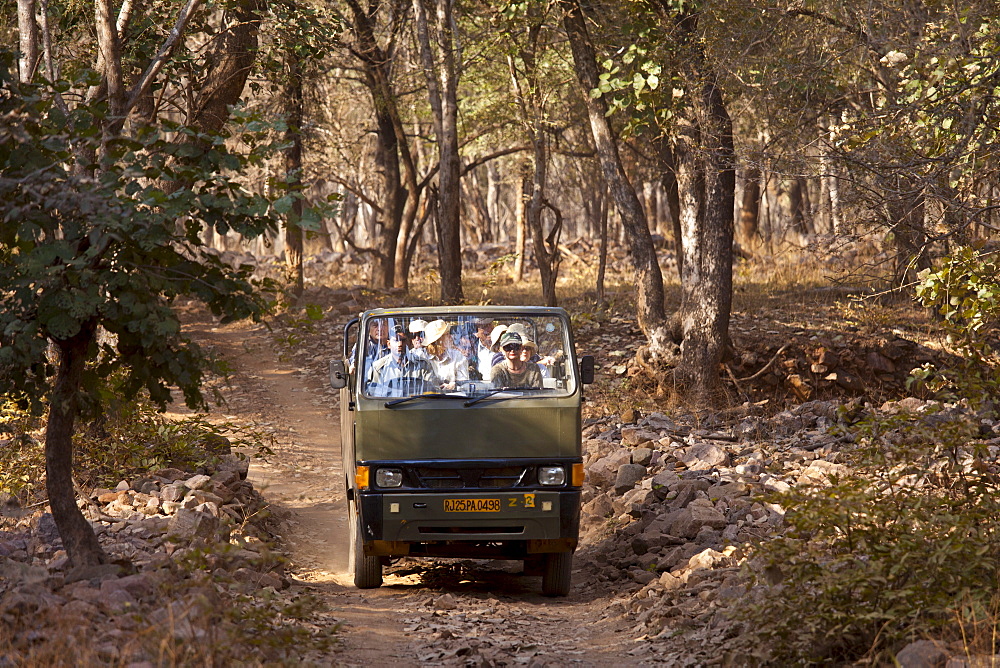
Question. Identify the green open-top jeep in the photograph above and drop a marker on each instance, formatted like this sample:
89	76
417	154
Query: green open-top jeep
468	446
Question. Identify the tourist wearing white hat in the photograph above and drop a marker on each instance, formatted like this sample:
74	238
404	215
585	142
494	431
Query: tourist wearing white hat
448	362
417	334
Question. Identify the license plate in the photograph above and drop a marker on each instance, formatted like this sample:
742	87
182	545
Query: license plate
472	505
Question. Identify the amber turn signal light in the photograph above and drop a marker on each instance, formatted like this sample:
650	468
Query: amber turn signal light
361	477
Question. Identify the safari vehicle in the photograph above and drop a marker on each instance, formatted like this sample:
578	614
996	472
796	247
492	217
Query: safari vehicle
463	469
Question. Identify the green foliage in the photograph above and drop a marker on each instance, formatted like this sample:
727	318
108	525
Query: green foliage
113	244
887	554
138	440
965	291
21	455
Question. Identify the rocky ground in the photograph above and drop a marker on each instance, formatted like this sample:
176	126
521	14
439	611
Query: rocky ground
673	498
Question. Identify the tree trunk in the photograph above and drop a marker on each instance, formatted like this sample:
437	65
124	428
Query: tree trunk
27	30
492	200
442	81
650	306
906	215
708	187
520	218
668	179
602	262
293	168
391	153
79	539
544	258
232	58
750	206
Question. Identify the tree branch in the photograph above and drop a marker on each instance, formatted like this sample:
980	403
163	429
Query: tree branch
142	86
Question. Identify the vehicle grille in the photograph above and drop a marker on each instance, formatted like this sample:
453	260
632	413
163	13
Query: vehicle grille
472	478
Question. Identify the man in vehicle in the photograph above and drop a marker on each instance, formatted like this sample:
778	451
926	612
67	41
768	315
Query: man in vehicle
375	344
400	374
484	353
514	371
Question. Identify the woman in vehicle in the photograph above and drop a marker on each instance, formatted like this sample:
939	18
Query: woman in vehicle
513	371
529	353
449	364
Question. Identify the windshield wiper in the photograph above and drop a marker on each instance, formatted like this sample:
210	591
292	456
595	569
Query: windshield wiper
497	390
429	395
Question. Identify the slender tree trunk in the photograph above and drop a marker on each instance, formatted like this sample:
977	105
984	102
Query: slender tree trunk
79	539
492	200
392	154
533	215
750	207
668	179
442	80
651	309
293	168
602	262
27	30
520	218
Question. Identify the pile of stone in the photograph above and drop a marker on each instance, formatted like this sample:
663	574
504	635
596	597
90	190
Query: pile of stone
180	546
669	508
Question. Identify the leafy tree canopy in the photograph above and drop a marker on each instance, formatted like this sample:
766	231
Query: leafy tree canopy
106	245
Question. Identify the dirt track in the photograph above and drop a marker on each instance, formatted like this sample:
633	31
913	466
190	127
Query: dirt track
427	613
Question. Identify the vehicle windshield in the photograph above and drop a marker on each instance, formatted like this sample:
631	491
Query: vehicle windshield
480	355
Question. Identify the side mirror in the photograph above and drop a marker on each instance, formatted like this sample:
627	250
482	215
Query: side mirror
338	374
587	369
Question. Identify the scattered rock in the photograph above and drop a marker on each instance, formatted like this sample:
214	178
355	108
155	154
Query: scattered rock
922	654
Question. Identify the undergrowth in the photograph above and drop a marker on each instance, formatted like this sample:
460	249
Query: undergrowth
908	545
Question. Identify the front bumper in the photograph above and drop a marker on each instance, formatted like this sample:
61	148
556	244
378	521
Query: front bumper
526	521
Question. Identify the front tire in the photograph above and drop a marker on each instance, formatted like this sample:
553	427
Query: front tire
367	571
557	573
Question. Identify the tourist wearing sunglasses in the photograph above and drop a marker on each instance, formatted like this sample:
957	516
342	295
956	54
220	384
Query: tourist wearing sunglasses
513	371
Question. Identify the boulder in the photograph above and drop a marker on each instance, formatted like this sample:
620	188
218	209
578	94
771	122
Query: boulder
922	654
688	521
600	506
642	456
703	456
603	472
628	476
190	524
632	436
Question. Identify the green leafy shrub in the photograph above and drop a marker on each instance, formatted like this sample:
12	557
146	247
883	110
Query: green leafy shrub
909	543
965	292
139	439
888	553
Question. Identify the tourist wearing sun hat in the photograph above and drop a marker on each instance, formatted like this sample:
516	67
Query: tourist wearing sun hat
513	371
448	362
417	333
529	353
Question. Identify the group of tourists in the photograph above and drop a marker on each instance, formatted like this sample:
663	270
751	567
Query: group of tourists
421	356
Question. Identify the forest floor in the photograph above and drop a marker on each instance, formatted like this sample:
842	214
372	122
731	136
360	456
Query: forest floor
479	612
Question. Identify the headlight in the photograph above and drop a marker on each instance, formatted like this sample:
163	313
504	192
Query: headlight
389	477
551	475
